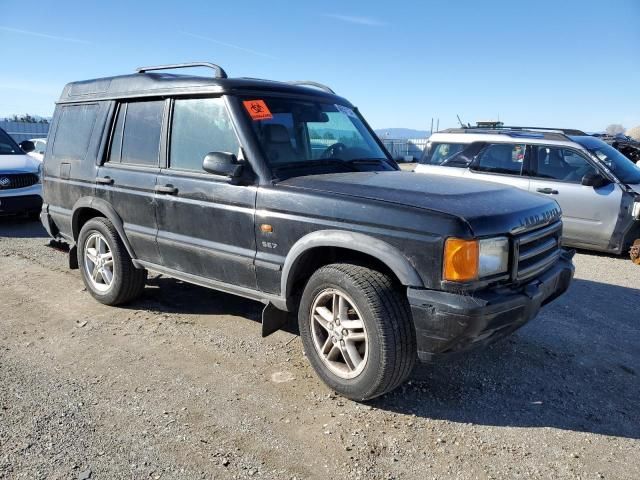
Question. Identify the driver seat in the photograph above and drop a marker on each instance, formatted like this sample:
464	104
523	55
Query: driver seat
278	144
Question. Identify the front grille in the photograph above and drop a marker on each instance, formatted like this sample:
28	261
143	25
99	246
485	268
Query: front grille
536	251
17	180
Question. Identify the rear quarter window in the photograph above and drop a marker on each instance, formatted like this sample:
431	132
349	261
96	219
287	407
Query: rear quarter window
73	133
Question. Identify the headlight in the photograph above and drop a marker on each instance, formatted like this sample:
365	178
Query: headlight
635	213
467	260
494	256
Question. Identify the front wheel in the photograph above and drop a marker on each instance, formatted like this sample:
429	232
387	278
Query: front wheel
105	265
357	330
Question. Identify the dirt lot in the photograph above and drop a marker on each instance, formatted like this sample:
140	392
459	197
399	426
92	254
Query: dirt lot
180	385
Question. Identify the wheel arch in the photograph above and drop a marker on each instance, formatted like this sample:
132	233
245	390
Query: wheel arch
363	246
87	208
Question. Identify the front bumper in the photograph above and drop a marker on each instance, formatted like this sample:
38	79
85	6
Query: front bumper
27	202
449	323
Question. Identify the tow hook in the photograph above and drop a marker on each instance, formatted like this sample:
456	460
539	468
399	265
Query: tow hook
634	253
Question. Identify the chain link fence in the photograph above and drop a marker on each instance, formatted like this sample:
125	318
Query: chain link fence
405	150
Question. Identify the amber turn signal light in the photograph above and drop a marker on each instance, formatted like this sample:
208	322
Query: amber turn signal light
461	260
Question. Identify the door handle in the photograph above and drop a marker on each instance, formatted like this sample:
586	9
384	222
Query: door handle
104	180
166	189
547	191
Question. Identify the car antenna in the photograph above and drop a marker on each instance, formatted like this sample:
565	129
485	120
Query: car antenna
462	125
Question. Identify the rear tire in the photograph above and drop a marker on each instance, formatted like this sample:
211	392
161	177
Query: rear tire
105	265
368	347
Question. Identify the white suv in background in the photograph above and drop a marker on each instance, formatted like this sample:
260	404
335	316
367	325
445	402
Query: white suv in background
597	188
20	178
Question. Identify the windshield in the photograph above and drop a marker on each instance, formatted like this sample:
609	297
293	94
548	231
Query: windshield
302	137
623	168
8	146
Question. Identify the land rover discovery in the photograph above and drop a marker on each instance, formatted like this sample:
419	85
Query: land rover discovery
280	192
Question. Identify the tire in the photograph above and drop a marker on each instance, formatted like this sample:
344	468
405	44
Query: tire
389	355
127	282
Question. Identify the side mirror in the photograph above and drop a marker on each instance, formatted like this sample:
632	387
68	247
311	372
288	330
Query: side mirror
595	180
27	146
222	163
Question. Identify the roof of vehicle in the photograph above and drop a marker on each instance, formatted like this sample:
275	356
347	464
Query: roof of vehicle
471	135
143	84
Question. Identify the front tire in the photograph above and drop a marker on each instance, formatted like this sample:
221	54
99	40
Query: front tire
105	265
357	330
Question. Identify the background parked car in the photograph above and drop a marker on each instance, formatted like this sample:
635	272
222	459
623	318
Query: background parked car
596	186
40	145
20	182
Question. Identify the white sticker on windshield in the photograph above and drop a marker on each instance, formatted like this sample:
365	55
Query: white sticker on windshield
346	110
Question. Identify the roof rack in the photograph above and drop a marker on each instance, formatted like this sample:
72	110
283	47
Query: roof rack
566	131
511	132
220	73
312	84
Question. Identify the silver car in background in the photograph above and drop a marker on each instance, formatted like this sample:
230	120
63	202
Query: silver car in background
597	187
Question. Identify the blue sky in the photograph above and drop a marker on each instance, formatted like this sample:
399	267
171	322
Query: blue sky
552	63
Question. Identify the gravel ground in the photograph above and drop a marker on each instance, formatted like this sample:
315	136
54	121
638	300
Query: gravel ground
180	385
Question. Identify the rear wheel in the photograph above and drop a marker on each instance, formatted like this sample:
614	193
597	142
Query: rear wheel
105	265
634	253
357	330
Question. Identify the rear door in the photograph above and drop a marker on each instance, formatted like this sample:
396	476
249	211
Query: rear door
205	222
501	163
127	178
589	214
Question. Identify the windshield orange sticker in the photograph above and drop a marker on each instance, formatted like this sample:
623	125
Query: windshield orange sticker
258	109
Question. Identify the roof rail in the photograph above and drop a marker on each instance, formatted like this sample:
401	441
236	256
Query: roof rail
312	84
220	73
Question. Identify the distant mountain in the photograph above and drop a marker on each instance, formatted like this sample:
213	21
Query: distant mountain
401	133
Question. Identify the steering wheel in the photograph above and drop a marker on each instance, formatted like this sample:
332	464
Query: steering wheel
333	150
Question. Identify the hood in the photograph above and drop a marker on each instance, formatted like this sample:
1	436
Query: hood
489	208
18	164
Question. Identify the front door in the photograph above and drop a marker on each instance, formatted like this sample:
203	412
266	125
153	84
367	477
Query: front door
501	163
127	178
205	223
589	214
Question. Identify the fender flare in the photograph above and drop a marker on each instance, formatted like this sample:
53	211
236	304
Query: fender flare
359	242
105	209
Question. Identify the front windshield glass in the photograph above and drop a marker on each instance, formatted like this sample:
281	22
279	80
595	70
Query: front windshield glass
8	146
302	137
623	168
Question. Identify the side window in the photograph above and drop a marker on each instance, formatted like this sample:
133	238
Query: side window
501	158
136	134
199	126
439	152
74	131
558	163
115	151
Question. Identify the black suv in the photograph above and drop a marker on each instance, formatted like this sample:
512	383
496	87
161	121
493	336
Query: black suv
280	192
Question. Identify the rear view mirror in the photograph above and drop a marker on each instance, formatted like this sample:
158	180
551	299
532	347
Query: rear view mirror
595	180
222	163
27	146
